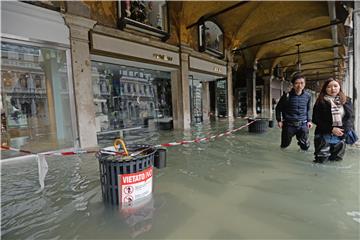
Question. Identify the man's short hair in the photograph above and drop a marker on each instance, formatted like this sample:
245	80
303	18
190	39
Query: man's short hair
296	77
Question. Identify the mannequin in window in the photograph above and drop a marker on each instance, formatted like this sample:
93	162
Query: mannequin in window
127	4
138	11
37	82
23	82
15	112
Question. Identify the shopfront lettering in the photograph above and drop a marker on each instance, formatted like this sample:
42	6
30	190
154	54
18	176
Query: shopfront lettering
162	57
217	69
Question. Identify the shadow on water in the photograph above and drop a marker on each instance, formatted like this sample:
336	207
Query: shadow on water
236	186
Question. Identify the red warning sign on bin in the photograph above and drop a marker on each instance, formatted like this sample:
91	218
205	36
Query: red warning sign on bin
135	186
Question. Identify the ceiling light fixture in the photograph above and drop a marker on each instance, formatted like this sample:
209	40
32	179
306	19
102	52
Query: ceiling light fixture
298	63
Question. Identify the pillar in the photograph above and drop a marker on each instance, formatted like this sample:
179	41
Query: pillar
184	57
230	95
356	32
267	106
251	91
348	83
181	94
178	119
205	101
83	90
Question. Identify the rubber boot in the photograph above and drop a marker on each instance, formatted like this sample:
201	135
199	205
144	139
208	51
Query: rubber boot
322	150
337	151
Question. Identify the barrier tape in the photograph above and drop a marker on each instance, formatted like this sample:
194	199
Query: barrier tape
81	151
198	140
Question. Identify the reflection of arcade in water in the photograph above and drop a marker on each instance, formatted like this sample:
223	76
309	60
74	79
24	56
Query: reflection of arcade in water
129	101
138	215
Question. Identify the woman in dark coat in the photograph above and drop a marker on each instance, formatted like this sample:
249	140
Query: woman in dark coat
333	115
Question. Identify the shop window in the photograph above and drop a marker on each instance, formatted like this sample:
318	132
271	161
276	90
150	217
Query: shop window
150	17
258	101
196	108
242	102
211	38
35	97
221	97
144	100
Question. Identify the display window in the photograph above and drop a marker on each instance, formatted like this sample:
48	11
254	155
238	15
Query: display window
221	97
36	114
196	100
211	38
129	100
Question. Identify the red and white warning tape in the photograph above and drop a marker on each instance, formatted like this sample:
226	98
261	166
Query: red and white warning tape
81	151
197	140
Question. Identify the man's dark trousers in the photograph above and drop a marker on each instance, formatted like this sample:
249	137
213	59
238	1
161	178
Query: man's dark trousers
301	132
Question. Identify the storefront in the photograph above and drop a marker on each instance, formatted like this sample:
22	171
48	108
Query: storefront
132	87
36	85
208	87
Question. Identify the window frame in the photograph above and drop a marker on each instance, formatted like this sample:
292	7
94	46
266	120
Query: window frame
202	39
128	23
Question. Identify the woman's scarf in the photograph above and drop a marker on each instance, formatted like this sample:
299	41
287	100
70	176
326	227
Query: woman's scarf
336	109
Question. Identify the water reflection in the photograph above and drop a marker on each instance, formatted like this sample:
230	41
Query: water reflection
237	186
138	215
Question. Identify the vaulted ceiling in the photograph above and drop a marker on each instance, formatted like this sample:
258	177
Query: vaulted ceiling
252	27
252	22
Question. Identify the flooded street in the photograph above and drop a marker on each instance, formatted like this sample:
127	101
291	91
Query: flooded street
239	186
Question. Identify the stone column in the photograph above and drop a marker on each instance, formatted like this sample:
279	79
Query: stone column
230	95
267	113
348	83
184	57
180	94
356	99
178	119
251	91
83	89
205	101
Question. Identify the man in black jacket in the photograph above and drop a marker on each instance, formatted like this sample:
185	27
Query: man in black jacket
293	114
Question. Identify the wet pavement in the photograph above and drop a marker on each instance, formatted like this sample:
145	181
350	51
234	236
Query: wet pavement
239	186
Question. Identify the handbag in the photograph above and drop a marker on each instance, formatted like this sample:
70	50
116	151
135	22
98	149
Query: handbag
351	137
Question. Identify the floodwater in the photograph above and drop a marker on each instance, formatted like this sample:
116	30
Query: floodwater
239	186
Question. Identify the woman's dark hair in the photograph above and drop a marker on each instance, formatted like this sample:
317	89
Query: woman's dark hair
323	91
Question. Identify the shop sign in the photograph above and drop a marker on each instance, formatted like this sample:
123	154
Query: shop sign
135	186
206	66
124	47
162	57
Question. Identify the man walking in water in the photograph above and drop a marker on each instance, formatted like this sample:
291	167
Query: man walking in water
293	114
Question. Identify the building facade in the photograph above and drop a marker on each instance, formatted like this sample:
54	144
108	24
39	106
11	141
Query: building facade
78	74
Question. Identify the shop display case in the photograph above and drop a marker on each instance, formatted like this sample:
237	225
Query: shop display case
34	92
128	98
